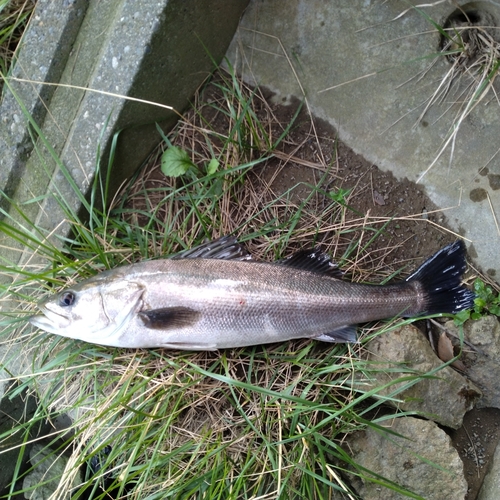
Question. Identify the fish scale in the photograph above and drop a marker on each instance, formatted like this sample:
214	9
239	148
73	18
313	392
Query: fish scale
214	297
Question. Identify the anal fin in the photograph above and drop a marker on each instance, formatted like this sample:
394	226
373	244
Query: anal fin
186	346
343	334
169	317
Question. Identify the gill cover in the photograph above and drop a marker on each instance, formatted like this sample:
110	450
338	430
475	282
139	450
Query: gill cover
93	312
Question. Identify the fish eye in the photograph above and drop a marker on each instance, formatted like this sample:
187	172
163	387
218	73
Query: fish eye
67	299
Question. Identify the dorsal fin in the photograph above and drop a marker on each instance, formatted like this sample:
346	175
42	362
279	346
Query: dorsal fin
313	260
225	248
228	248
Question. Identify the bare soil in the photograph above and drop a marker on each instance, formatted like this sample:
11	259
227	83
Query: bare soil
374	193
476	442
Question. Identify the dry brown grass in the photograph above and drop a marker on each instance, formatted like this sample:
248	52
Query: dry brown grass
284	201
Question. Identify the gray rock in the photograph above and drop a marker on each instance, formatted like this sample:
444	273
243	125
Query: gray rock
44	479
445	397
13	412
423	461
483	365
491	485
485	334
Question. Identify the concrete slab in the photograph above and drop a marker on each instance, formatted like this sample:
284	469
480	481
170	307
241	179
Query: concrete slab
158	51
369	68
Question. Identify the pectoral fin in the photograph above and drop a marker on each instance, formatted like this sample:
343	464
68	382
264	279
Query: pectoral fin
343	334
169	317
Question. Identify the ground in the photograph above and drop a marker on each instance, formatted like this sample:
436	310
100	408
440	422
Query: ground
380	194
374	193
412	228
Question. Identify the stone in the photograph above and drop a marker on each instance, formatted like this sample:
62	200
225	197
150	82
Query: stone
44	480
416	455
483	361
490	489
484	333
443	396
13	411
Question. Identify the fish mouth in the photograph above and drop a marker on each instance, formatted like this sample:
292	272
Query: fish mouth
50	321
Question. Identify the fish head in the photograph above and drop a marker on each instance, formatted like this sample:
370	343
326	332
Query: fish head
95	311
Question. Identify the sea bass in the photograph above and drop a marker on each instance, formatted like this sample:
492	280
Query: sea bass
214	296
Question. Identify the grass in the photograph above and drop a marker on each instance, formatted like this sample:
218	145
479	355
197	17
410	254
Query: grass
14	15
260	422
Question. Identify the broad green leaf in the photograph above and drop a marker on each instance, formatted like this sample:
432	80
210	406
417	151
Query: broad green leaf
175	162
462	317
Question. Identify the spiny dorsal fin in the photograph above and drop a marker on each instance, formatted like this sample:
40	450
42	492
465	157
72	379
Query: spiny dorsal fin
225	248
312	260
228	248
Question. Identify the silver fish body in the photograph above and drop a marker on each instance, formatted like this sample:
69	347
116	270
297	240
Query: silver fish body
207	304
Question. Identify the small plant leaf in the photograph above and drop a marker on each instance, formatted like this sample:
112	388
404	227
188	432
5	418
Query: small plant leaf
340	195
213	166
495	309
462	317
175	162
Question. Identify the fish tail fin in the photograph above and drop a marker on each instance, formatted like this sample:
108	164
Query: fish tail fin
440	277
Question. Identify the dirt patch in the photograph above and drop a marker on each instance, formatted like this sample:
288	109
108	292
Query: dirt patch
418	228
476	442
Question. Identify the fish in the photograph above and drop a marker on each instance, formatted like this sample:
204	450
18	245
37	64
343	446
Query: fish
216	296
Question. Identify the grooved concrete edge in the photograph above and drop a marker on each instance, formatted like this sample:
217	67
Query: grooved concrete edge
159	51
